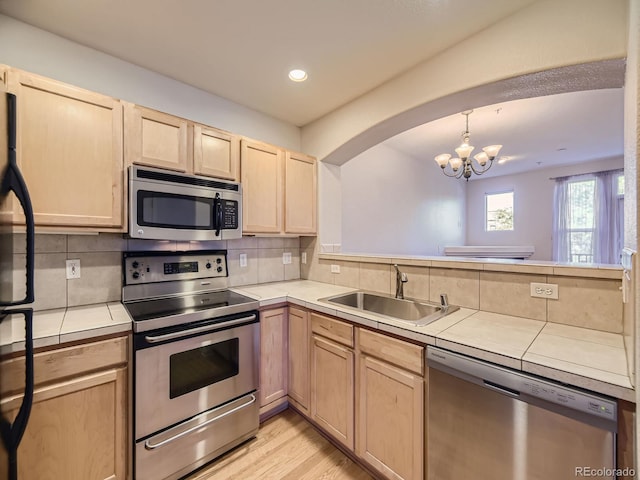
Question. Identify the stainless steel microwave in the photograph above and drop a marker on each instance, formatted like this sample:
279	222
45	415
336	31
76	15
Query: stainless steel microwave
171	206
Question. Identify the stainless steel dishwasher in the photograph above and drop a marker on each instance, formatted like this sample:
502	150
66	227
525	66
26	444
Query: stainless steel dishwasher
487	422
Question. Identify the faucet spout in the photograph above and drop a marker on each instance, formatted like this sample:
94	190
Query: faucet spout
401	279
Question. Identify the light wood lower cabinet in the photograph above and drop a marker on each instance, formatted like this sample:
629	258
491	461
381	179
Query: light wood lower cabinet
390	419
78	427
332	389
273	356
299	358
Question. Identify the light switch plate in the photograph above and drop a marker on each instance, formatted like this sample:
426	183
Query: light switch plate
286	258
335	268
73	269
243	260
304	258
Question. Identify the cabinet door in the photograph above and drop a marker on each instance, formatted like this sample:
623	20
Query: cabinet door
332	389
156	139
300	194
261	176
69	145
390	419
299	358
77	429
215	153
273	355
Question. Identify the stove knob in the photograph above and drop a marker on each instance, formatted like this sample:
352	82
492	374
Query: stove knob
135	264
219	261
208	265
219	269
136	275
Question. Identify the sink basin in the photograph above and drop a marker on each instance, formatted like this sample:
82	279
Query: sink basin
416	312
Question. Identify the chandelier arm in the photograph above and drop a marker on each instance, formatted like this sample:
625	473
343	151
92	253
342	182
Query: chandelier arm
455	175
484	169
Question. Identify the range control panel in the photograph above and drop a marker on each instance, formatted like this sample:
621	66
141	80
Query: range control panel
150	267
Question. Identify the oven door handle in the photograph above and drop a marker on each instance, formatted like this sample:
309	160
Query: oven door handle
152	446
191	331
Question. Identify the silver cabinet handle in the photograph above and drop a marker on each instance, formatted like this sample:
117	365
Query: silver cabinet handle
151	446
206	328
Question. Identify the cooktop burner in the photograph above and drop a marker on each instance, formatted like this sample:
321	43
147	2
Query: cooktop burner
165	289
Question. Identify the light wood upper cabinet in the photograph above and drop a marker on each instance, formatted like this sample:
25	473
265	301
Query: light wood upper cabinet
300	206
78	424
215	153
156	139
299	358
69	149
332	389
261	174
273	355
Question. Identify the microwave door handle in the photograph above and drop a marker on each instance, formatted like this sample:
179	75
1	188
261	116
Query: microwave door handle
13	181
217	205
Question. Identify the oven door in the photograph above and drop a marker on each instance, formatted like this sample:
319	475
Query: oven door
180	373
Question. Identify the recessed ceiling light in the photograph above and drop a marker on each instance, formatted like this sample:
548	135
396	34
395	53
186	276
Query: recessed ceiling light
298	75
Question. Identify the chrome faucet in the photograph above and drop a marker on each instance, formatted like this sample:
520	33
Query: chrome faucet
401	279
444	301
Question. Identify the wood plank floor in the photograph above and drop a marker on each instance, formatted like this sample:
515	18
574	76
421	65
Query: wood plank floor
287	447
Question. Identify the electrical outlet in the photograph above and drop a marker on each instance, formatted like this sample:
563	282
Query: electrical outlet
286	258
73	269
544	290
335	268
304	258
243	260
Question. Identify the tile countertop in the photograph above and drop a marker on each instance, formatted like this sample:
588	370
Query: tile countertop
576	356
52	327
581	357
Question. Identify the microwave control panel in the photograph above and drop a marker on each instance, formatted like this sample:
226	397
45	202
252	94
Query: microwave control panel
165	267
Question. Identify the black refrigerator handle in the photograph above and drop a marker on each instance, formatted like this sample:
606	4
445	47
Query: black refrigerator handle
12	181
12	433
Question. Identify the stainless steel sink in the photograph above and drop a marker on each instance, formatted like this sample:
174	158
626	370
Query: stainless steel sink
416	312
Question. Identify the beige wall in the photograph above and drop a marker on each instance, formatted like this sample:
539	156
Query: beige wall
631	149
547	34
101	265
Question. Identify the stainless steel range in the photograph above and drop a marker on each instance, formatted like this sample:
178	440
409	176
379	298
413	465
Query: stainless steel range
196	349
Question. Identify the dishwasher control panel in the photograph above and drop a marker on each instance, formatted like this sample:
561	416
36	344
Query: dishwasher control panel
570	397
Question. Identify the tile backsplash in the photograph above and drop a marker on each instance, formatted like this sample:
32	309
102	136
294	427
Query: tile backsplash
101	264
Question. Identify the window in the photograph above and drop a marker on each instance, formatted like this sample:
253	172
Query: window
499	211
588	218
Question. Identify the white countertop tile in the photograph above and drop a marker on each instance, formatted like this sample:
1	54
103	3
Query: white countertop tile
492	332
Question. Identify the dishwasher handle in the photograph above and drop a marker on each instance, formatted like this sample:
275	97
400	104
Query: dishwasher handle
501	389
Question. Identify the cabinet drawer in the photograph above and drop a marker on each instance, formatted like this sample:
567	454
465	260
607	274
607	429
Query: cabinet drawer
331	328
392	350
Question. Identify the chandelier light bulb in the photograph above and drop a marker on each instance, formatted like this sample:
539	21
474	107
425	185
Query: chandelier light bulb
464	150
492	151
482	158
443	159
455	163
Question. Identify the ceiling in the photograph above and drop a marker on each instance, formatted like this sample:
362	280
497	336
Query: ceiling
540	132
243	49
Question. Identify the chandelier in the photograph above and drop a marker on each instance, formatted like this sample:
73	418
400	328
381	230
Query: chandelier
462	165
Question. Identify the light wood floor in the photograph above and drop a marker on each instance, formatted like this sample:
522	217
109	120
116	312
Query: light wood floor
286	448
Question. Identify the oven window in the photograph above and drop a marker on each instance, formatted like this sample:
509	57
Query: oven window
166	210
200	367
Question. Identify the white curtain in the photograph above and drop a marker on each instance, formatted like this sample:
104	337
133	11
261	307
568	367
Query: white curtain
606	223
